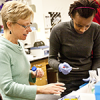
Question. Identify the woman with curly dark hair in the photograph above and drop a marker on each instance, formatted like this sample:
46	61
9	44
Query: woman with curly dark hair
71	44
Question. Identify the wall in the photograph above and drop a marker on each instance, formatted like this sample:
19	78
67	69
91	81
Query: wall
45	6
38	18
58	6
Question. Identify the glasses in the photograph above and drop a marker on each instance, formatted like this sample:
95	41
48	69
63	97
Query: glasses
25	26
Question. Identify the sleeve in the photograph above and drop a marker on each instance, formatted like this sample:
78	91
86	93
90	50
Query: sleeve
8	86
96	50
54	49
33	80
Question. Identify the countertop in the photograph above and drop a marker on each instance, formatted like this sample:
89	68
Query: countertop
47	97
33	58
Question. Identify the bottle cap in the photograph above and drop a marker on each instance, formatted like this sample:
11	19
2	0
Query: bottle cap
34	68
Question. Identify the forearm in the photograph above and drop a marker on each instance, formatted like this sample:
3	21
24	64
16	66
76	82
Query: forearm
54	63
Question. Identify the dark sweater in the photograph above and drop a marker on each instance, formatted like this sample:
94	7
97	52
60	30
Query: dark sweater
75	49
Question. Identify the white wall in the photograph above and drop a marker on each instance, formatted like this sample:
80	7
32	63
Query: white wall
38	17
57	6
45	6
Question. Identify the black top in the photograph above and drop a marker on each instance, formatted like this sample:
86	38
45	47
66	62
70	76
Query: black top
66	45
75	48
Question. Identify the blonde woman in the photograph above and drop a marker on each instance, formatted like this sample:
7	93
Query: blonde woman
15	71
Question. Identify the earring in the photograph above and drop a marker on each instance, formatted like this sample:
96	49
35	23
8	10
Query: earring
10	32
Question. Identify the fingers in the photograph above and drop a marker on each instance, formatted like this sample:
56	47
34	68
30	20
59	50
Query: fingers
40	73
59	84
53	88
57	88
60	88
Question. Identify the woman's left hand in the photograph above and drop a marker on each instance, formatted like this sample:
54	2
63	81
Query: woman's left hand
38	73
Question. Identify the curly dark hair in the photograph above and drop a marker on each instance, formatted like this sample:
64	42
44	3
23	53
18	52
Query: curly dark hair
83	12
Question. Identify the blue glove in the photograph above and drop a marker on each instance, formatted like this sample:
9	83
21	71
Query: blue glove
89	79
65	68
86	79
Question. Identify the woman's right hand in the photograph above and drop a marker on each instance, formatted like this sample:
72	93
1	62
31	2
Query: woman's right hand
53	88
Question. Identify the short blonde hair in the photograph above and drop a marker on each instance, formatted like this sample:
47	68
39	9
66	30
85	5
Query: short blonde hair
13	11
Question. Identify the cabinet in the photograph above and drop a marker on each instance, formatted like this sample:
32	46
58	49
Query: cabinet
40	64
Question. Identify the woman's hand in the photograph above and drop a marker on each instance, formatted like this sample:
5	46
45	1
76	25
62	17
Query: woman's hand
53	88
38	73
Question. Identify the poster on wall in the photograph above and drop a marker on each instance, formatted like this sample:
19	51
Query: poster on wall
2	3
55	18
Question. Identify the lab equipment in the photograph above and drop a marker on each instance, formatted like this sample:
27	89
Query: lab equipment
92	79
40	51
65	68
39	43
87	91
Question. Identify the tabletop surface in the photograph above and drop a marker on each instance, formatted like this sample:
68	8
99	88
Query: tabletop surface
47	97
